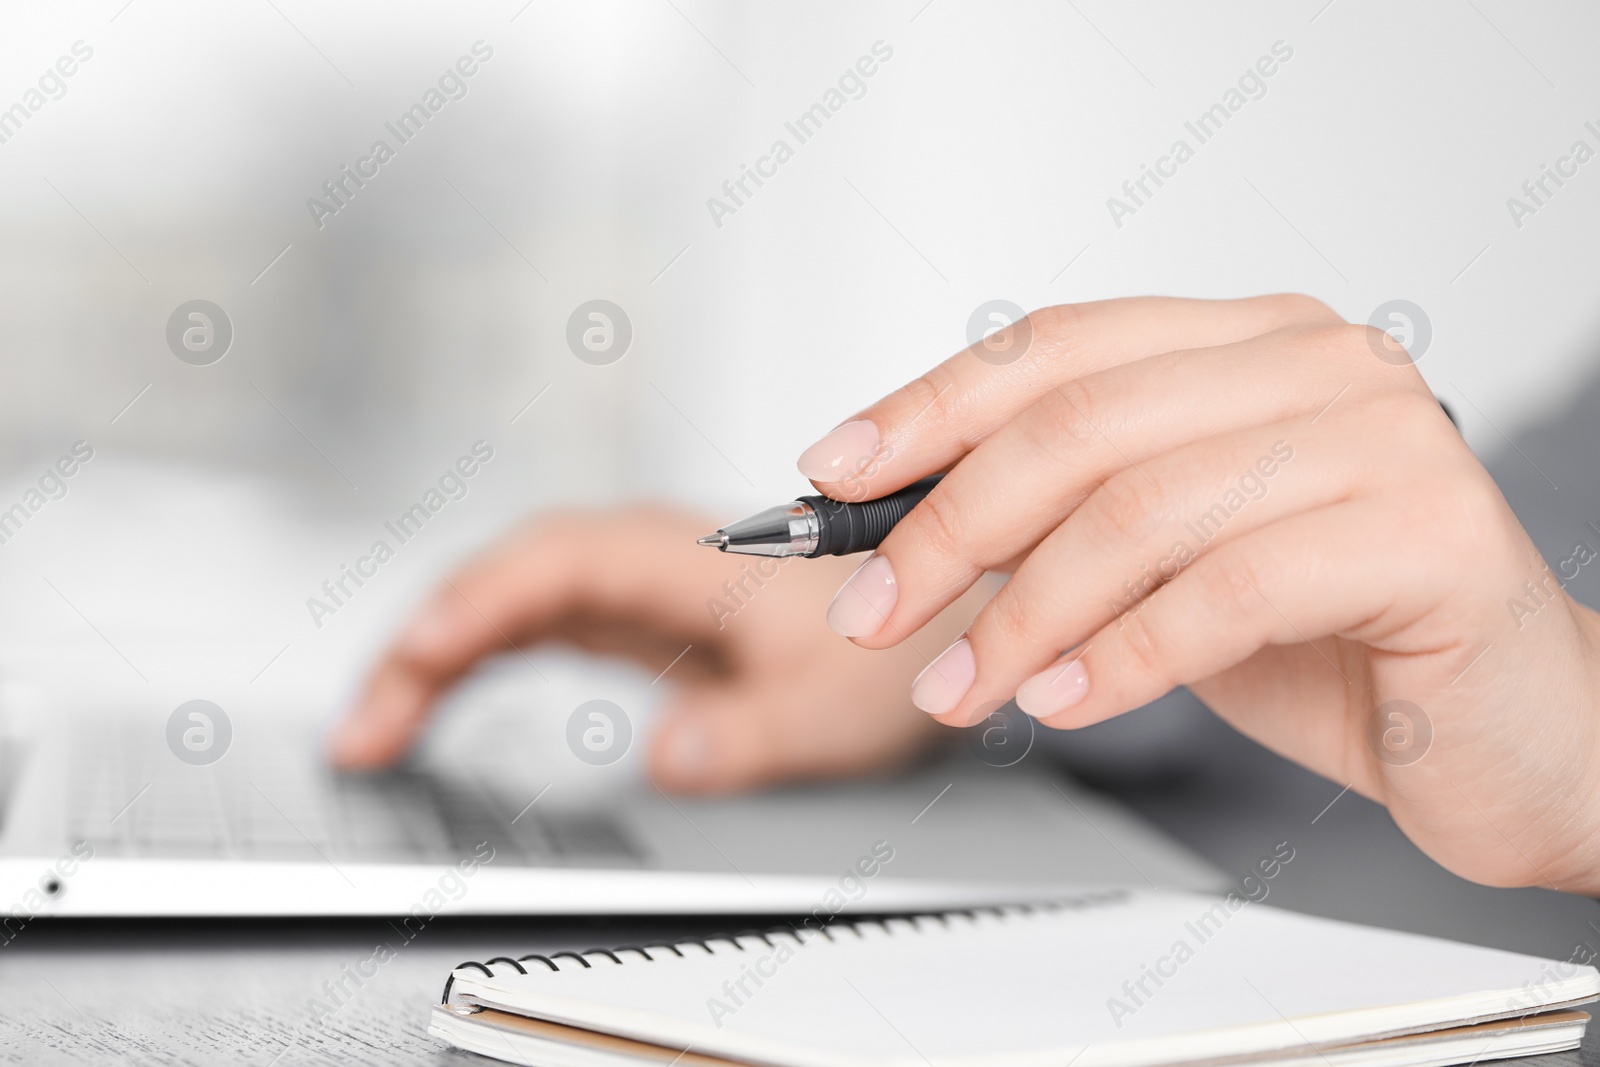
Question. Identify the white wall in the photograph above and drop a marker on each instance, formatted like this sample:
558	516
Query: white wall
977	165
991	141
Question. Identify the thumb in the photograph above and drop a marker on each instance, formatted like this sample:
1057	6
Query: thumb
714	739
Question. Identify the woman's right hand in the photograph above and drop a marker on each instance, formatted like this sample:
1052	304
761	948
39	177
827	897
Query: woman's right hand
1373	610
765	692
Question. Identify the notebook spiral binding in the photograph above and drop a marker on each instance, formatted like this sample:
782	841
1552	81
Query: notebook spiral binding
788	930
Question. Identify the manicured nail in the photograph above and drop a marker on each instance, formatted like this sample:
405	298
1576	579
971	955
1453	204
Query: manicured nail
844	452
862	604
348	741
1055	690
942	684
353	740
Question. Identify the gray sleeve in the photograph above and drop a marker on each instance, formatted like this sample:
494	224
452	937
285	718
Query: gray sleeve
1551	477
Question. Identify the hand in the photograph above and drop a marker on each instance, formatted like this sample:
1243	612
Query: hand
1241	497
766	693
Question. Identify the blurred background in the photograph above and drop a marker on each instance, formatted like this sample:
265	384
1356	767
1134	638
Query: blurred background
374	345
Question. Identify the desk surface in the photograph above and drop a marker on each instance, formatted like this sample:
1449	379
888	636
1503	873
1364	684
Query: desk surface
240	993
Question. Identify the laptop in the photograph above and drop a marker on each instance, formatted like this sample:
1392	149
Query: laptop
102	818
105	811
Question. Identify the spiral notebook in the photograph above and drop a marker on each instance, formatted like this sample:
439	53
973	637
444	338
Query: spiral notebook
1112	979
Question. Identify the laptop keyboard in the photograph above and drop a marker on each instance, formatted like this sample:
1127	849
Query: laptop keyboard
274	802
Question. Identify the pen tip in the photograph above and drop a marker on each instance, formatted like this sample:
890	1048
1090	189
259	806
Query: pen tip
718	540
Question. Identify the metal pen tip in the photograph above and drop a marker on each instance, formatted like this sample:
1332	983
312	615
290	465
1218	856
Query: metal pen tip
718	541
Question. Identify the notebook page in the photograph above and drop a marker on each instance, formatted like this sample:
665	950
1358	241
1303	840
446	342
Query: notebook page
1139	978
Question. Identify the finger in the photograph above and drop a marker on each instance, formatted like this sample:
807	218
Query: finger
932	422
653	649
1137	532
1026	478
638	567
1297	583
714	739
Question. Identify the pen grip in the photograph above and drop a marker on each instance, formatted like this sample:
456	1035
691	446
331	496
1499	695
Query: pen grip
850	528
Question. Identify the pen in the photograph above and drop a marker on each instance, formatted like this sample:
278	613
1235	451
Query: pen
819	525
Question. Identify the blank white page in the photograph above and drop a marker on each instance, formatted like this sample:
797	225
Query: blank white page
1046	987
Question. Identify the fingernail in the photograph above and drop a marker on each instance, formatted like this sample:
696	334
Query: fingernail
846	451
350	740
862	604
1054	690
942	684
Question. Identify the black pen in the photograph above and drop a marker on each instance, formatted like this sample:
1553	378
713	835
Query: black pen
820	525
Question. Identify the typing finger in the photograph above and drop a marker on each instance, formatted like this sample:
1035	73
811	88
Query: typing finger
640	569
